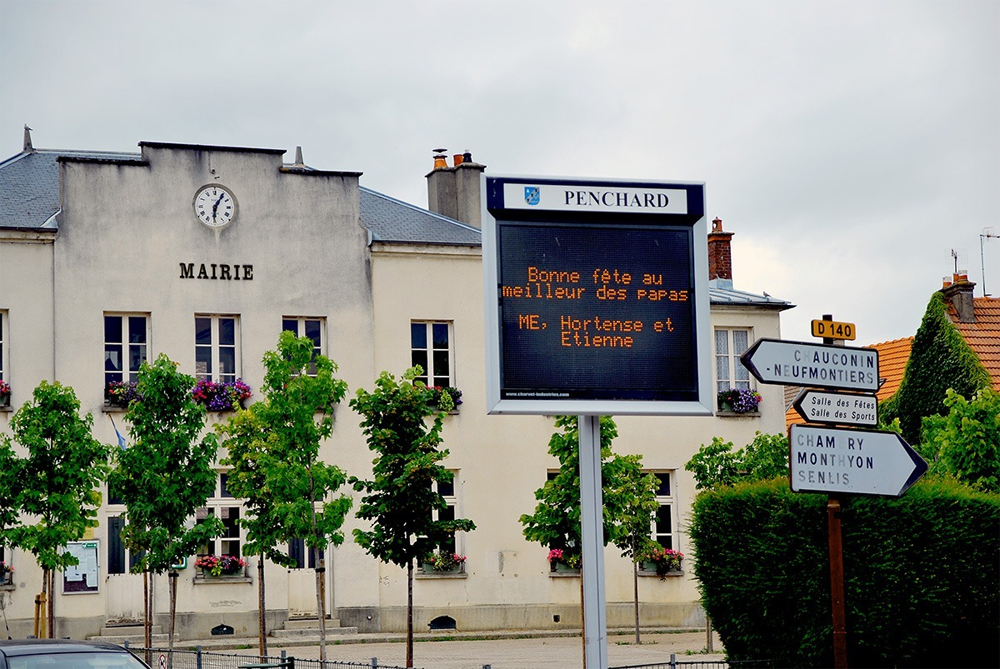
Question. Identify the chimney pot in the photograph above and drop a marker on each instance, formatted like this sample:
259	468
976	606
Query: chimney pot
467	156
945	282
717	225
458	157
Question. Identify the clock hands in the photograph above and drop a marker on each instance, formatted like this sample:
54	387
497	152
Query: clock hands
215	207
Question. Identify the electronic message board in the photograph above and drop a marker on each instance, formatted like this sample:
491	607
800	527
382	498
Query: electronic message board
596	297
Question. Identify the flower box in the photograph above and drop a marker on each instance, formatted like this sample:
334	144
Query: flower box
221	395
6	574
4	393
738	401
443	563
561	561
662	561
120	394
220	566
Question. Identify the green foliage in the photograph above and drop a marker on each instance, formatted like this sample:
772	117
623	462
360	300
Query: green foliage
966	442
921	584
399	500
766	457
626	494
939	359
166	472
273	448
57	482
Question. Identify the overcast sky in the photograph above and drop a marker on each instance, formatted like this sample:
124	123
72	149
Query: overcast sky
851	146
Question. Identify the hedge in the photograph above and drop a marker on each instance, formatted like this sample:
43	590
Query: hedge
922	584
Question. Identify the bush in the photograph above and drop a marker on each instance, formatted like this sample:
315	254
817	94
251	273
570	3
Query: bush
921	581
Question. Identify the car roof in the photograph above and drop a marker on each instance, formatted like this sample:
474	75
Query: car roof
15	648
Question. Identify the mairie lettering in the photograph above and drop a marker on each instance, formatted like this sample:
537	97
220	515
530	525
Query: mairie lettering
217	271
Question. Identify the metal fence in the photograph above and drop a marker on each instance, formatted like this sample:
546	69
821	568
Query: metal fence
200	659
701	664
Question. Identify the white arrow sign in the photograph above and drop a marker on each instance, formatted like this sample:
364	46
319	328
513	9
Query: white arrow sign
841	460
817	406
796	363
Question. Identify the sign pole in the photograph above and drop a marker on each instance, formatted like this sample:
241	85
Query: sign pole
837	583
595	628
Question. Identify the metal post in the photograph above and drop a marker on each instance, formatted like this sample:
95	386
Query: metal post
198	658
837	583
595	632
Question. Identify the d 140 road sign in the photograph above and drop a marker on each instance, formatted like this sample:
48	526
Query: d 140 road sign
842	460
817	406
796	363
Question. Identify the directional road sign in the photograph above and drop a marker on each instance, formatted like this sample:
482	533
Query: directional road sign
796	363
842	460
817	406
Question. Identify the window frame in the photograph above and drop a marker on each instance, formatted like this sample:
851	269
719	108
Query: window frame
737	376
222	499
301	325
431	377
127	374
666	500
4	345
215	347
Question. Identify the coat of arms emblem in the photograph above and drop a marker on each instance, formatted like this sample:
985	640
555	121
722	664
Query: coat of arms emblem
532	194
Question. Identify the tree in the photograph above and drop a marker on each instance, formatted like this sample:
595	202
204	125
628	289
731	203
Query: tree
966	442
939	359
401	498
57	482
766	457
625	495
634	494
164	476
274	451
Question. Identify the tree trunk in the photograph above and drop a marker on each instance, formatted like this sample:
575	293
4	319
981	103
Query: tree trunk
635	584
320	569
409	613
50	615
261	619
172	579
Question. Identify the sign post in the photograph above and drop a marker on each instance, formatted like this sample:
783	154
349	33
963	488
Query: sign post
596	297
836	460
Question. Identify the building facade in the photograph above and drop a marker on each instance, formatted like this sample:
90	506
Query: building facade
205	254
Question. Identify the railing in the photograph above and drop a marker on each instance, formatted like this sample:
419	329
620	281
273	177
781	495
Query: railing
200	659
701	664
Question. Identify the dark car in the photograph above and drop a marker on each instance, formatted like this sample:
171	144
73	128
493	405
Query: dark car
65	654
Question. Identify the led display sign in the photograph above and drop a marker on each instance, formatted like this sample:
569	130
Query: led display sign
596	297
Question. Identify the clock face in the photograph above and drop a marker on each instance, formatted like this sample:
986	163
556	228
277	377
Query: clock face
215	206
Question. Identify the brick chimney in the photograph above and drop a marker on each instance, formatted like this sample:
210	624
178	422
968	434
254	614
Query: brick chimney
720	258
958	291
454	191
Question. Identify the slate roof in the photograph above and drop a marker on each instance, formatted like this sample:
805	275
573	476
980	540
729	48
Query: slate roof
983	336
29	186
392	220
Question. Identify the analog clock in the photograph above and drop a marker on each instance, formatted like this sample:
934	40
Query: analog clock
215	206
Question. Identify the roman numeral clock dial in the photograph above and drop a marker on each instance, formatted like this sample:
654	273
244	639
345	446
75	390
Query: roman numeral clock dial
215	206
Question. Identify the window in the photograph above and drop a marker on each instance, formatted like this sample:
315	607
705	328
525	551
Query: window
662	527
222	505
297	551
729	371
126	346
120	559
3	349
430	347
307	327
216	348
6	575
447	490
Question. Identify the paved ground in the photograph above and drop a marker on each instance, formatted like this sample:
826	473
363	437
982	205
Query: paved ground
524	653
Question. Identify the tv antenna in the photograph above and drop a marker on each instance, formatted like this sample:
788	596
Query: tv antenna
986	234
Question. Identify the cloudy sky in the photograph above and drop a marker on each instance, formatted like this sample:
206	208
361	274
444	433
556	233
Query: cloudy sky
851	146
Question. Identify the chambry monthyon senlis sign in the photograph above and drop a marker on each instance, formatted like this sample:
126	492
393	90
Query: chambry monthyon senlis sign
796	363
842	460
